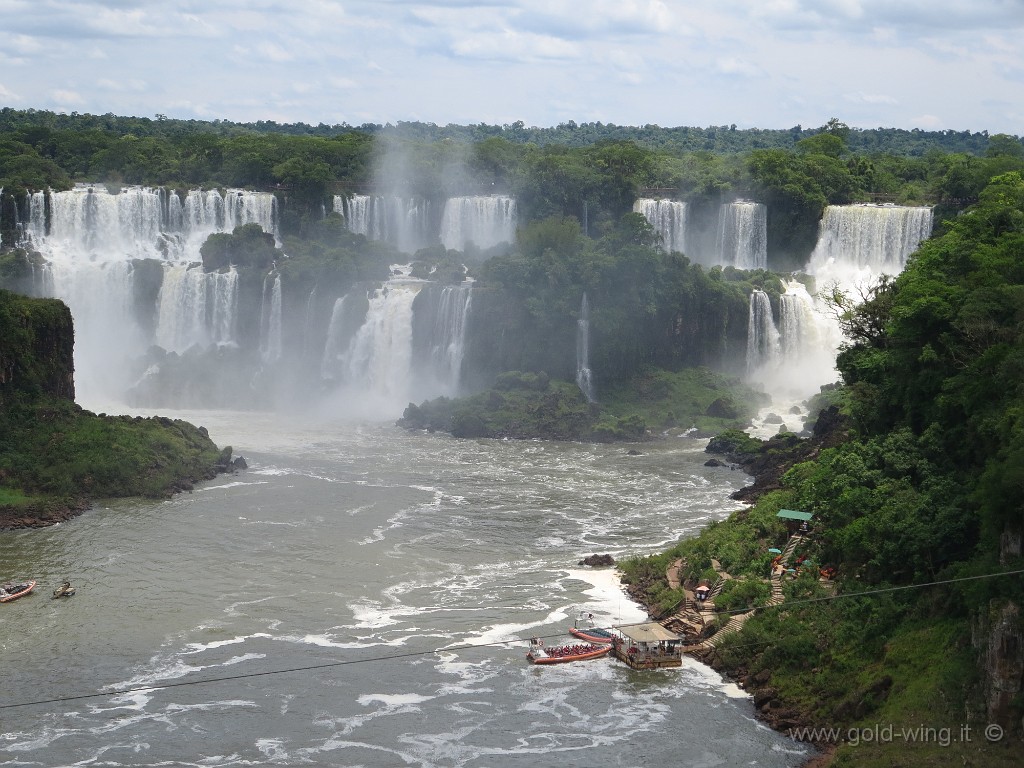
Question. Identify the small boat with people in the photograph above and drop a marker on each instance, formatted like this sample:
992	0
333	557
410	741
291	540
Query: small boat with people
590	633
559	654
64	590
10	592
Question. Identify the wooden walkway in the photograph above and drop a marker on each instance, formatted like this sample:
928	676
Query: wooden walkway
736	623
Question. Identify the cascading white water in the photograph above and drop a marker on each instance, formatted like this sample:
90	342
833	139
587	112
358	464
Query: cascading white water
407	344
378	361
584	376
196	308
762	335
270	319
859	243
90	242
743	235
337	342
106	335
668	217
856	245
406	223
205	212
449	336
482	221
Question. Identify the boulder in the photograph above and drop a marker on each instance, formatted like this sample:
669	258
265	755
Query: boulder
598	561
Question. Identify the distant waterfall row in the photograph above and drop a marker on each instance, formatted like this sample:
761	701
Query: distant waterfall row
141	222
413	223
738	239
129	266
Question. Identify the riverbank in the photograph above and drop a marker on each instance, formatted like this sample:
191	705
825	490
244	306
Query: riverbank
830	663
56	457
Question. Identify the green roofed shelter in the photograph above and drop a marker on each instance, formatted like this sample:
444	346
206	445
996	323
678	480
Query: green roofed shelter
792	514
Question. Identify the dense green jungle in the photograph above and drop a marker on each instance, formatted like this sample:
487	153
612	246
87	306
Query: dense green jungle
917	491
55	456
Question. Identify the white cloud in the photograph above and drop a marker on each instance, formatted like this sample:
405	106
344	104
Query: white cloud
25	44
870	98
5	93
513	46
130	85
768	64
67	97
929	122
732	65
274	52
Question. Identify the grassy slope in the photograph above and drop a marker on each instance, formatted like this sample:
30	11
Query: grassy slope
55	454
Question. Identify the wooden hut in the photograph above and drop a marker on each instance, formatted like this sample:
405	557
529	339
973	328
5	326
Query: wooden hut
648	646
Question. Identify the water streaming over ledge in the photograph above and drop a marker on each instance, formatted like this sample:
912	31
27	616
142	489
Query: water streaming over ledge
736	238
793	354
409	223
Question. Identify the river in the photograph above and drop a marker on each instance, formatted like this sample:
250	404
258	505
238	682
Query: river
363	596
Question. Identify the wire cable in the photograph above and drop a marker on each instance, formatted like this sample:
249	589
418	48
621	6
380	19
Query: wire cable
412	654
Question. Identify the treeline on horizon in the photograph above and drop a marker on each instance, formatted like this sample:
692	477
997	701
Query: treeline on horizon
718	139
591	172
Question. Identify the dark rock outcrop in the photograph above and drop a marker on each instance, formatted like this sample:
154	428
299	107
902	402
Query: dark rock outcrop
598	561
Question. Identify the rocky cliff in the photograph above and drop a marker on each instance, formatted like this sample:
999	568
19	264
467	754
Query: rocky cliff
36	348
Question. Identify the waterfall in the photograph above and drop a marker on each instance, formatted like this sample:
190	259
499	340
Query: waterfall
270	319
94	241
743	235
196	308
337	341
308	321
762	336
449	335
859	243
482	221
99	295
378	362
668	217
584	379
407	223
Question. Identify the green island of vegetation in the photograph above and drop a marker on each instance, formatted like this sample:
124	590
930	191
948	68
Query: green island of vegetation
56	457
528	405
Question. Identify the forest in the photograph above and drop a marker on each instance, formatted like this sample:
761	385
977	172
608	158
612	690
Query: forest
593	178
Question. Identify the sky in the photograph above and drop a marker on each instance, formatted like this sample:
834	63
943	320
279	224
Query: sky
928	64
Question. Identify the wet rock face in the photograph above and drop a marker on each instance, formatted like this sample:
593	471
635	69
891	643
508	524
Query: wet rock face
598	561
1001	638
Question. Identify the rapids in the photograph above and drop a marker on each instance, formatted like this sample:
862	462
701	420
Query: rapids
364	596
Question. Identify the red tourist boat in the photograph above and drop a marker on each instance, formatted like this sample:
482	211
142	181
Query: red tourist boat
559	654
591	634
10	592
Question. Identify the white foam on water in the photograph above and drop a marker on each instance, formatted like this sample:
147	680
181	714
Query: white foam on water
370	615
225	486
326	641
200	647
702	676
273	749
610	601
393	700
